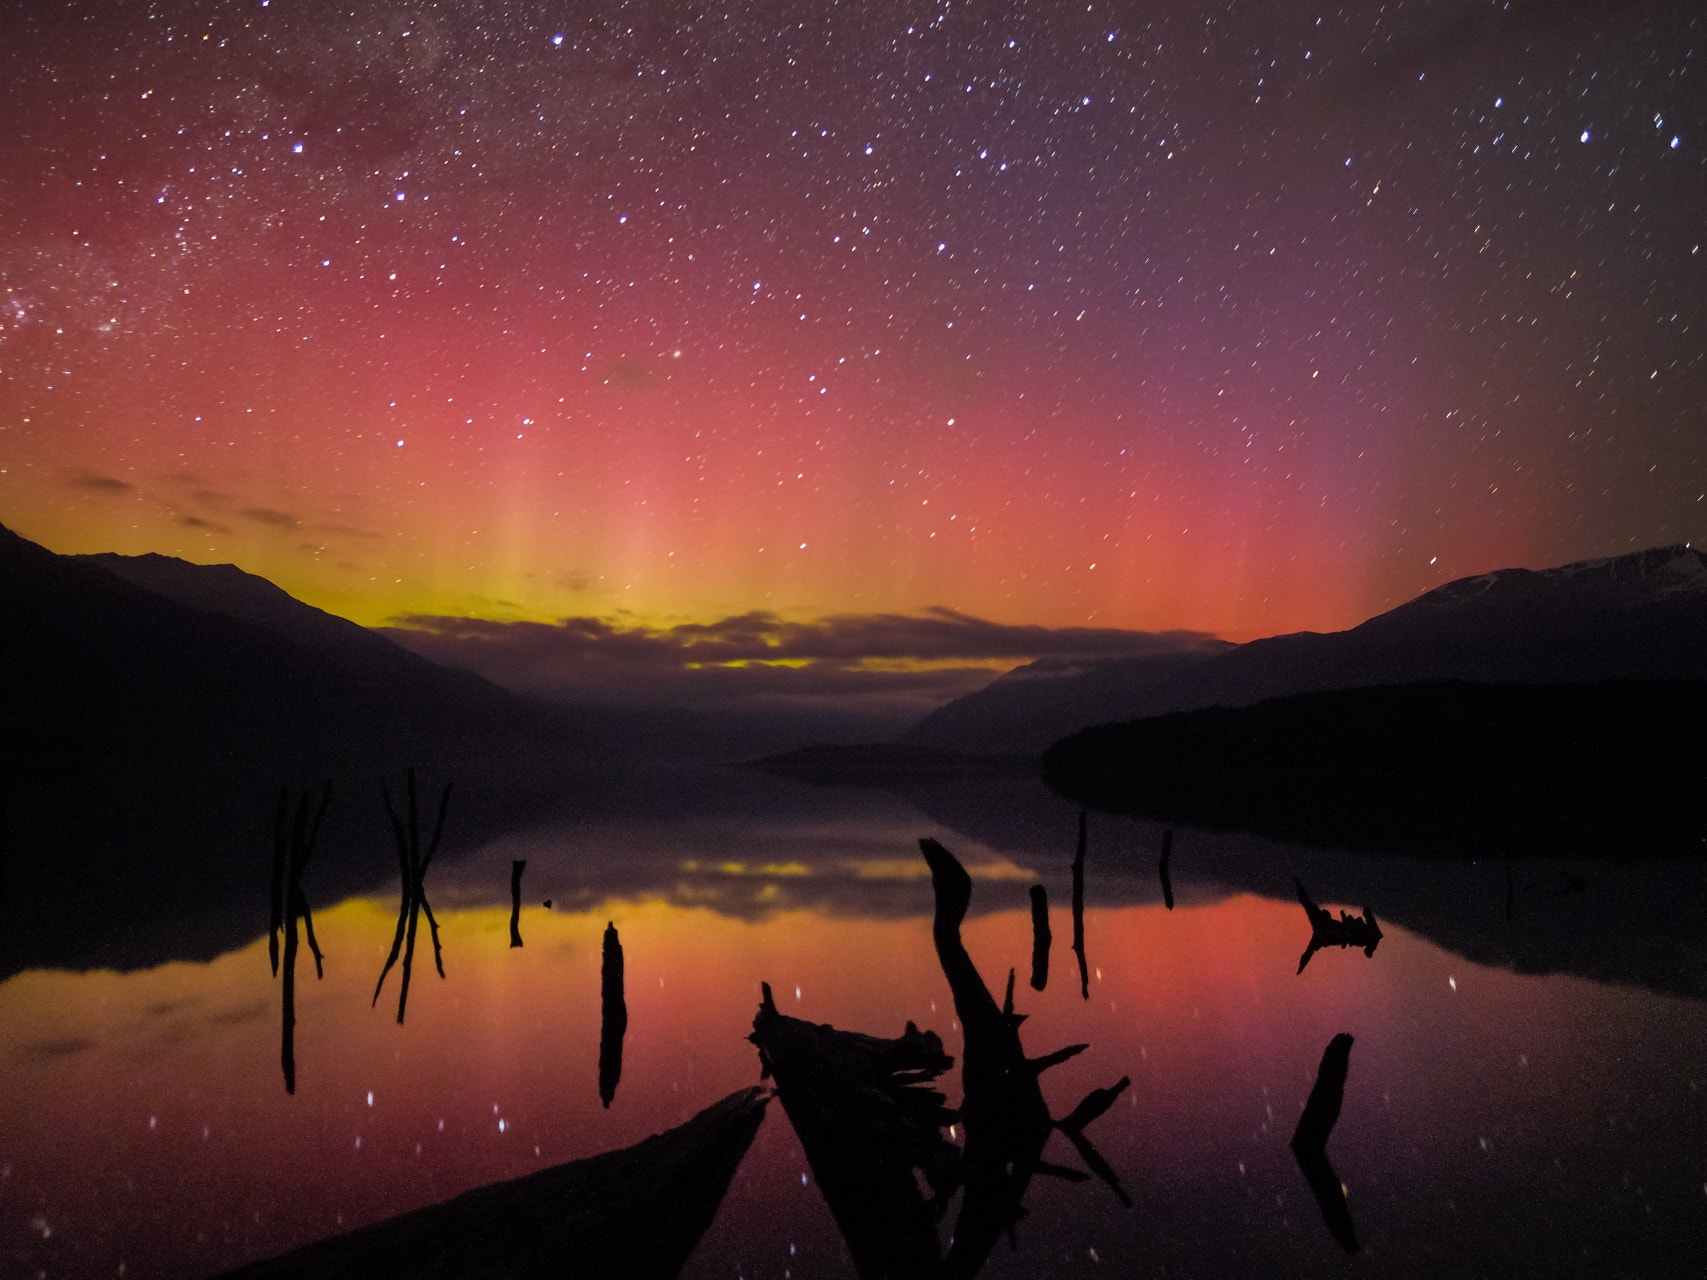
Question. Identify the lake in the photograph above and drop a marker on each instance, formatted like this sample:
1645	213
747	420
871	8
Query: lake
1526	1092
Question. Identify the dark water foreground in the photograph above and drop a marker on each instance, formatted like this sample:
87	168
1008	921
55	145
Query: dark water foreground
1521	1090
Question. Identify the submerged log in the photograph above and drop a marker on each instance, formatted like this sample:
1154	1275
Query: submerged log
1310	1141
1347	931
1007	1120
632	1214
1040	937
867	1117
613	1016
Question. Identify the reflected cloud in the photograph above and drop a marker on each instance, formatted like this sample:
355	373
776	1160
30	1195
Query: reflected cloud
41	1051
926	658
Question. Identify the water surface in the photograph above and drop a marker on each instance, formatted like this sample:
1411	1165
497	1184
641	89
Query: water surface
1495	1122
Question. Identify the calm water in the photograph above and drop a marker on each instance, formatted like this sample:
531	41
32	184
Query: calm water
1496	1122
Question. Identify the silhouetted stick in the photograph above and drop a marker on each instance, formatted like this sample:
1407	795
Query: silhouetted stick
281	839
299	864
287	1048
412	868
421	880
614	1016
1162	868
433	929
517	865
299	904
1508	891
1079	911
408	957
291	856
1040	937
1310	1140
405	873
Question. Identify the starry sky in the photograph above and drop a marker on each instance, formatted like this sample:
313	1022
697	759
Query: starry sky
1237	318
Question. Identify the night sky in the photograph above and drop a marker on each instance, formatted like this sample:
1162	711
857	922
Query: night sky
1233	317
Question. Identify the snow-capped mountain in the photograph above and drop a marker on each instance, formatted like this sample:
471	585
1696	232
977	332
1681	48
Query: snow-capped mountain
1639	616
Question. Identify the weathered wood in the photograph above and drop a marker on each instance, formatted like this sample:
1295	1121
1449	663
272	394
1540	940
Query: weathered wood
1079	911
517	866
1347	931
867	1118
1040	937
613	1019
1007	1121
1310	1141
633	1214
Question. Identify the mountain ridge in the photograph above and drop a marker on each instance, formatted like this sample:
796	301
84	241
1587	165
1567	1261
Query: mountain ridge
1638	616
144	742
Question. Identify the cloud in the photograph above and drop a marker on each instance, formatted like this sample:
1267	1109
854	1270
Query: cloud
266	515
89	481
920	660
196	522
349	531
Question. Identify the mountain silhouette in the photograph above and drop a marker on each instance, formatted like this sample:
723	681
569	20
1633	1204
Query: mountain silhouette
152	709
1635	617
227	590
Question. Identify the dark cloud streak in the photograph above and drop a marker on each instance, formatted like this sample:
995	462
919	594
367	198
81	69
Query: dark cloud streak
924	660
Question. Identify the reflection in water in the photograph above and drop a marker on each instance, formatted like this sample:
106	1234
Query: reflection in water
1079	911
1347	931
412	868
293	845
1040	937
140	1122
1162	868
1310	1140
613	1018
1007	1121
634	1214
867	1118
517	866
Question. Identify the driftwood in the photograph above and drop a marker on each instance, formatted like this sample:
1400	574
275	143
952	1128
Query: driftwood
867	1118
1040	937
632	1214
1007	1121
1079	911
613	1015
1310	1141
517	866
1347	931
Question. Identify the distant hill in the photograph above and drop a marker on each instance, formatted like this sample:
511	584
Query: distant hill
227	590
1608	769
151	709
1636	617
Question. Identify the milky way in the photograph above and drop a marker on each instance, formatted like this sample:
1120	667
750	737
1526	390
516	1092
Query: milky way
1235	317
